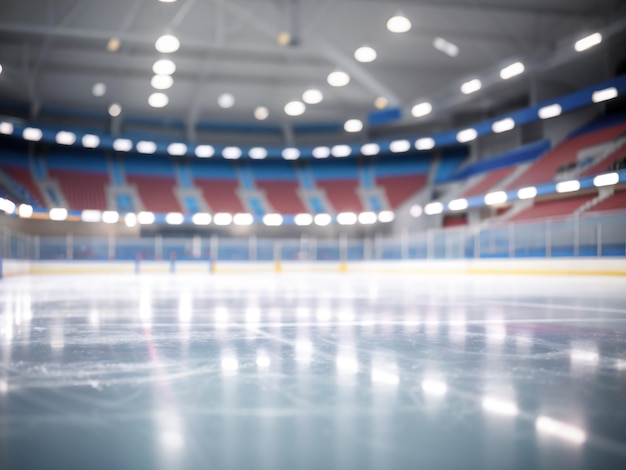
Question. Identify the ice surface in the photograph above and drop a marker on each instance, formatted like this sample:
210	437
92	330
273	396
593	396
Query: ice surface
312	371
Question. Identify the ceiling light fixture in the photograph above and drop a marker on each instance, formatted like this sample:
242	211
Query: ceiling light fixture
257	153
512	70
162	82
99	89
353	125
115	110
167	44
177	149
466	135
204	151
550	111
338	78
113	45
261	113
164	67
146	147
33	134
295	108
290	153
399	24
122	145
588	42
231	153
321	152
448	48
400	146
341	151
158	100
381	102
425	143
365	54
6	128
421	109
471	86
370	149
226	101
604	95
503	125
90	141
312	96
65	138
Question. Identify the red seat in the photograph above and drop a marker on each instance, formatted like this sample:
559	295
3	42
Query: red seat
553	208
156	192
544	169
342	195
615	202
401	188
282	196
488	182
82	189
221	195
24	178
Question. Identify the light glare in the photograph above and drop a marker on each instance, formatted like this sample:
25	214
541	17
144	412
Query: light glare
588	42
607	179
568	186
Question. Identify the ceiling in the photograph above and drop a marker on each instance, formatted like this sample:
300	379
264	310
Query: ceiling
53	51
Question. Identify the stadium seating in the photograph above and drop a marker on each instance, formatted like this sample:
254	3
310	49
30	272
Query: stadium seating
342	194
488	182
156	192
400	188
552	208
24	178
544	169
282	196
457	220
615	202
220	195
82	190
605	164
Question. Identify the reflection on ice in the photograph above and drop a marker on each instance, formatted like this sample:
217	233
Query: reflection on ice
221	315
303	350
323	314
230	363
561	430
500	407
184	307
346	363
172	440
434	387
263	361
584	354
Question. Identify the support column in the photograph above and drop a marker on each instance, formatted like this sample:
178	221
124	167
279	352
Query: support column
158	247
252	248
548	239
343	253
69	246
405	244
111	247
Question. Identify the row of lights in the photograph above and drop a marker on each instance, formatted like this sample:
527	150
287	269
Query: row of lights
340	78
343	218
510	71
292	153
220	218
545	112
500	197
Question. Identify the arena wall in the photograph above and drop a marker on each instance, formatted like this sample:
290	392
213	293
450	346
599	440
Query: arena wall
536	266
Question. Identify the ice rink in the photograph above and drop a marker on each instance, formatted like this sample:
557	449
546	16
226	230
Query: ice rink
312	372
